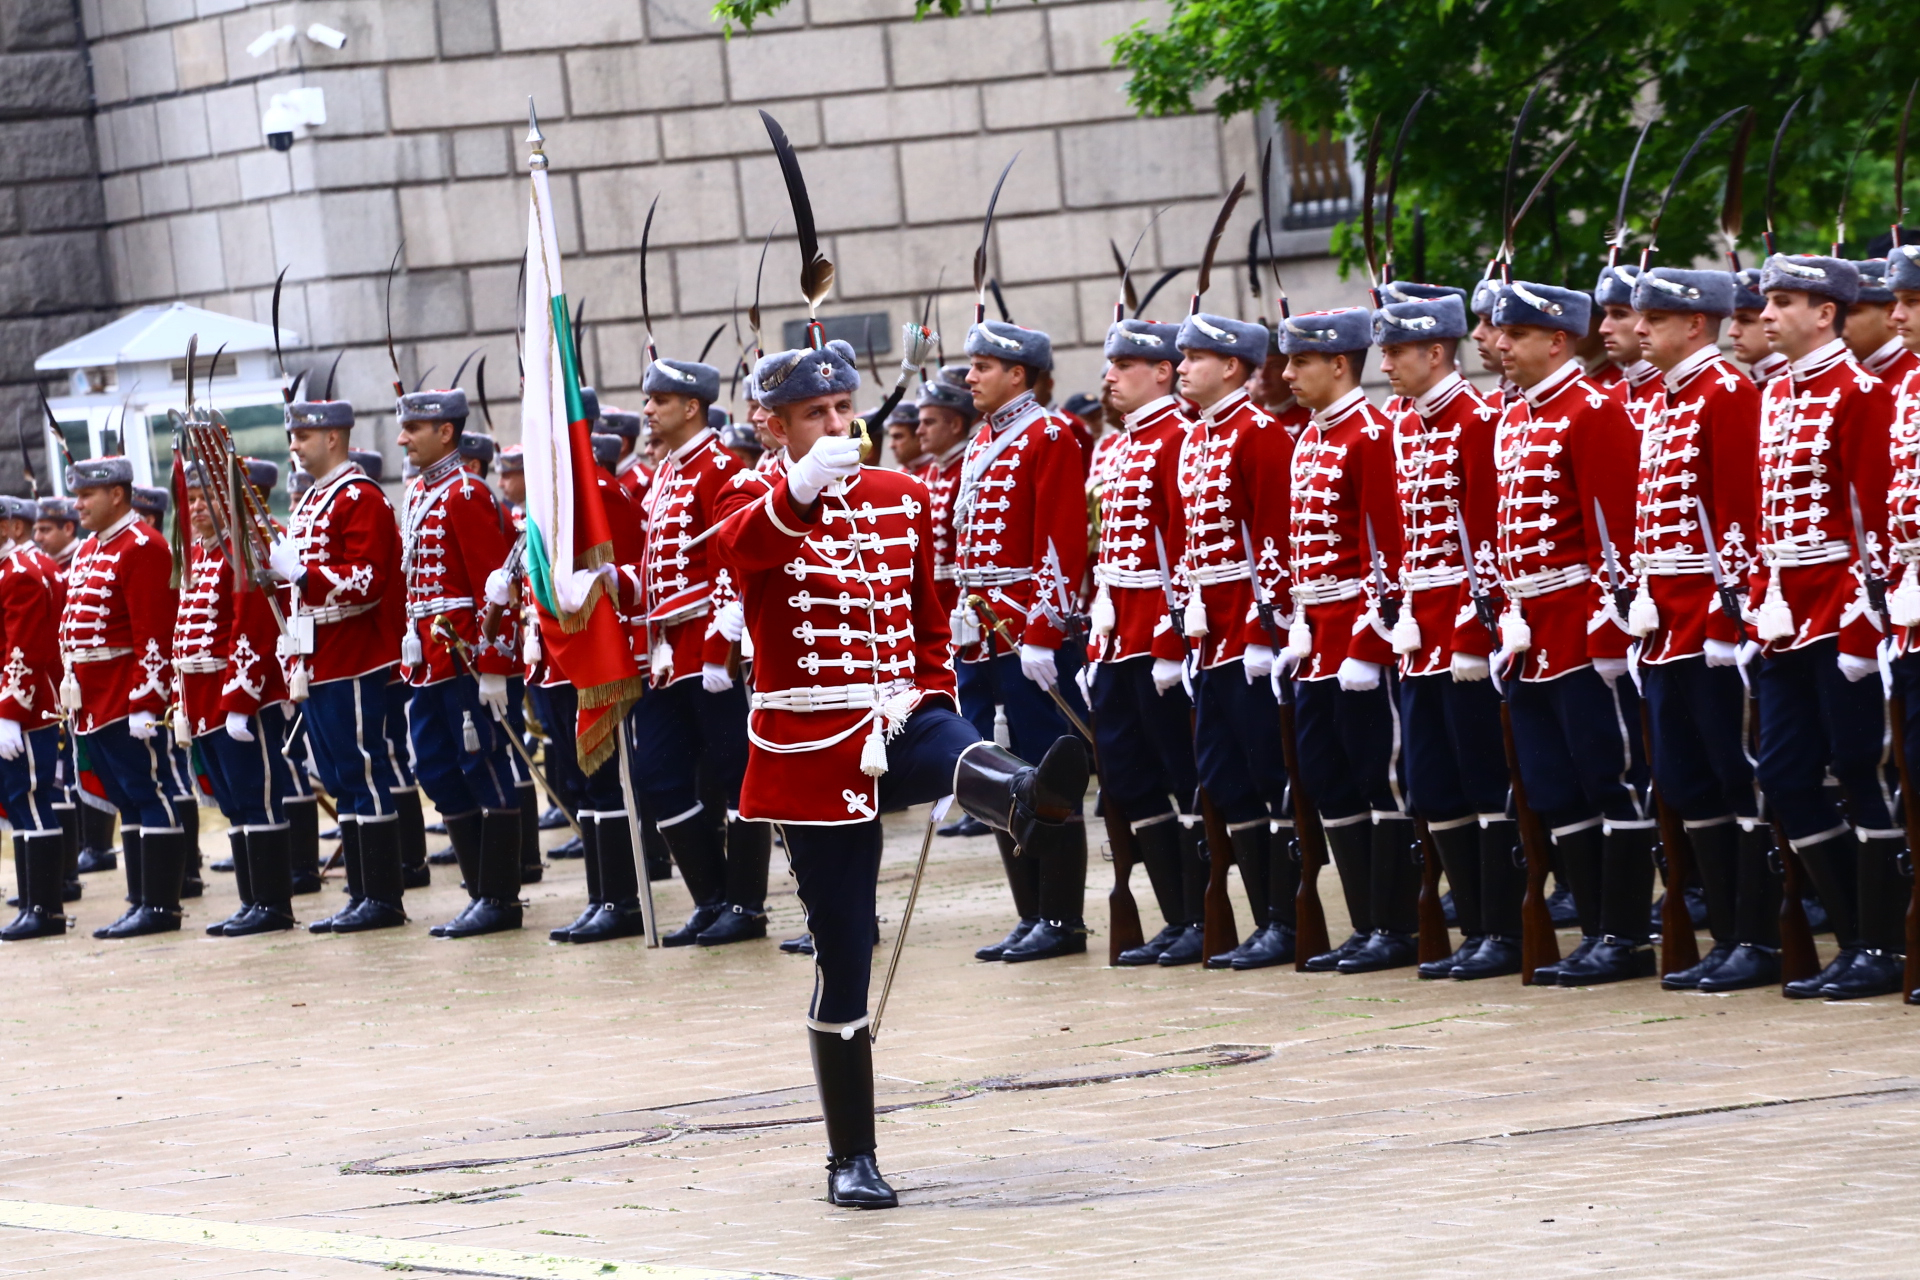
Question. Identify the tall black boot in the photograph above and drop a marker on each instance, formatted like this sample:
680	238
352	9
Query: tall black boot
1195	870
96	838
843	1072
1577	866
1023	881
1010	795
414	871
1062	928
1351	848
1884	890
130	840
619	914
163	857
653	845
1716	860
531	867
1158	847
590	860
496	907
40	861
191	883
1272	942
1627	872
303	842
1503	883
1755	959
749	850
242	881
463	833
380	879
1833	866
22	879
695	841
1393	888
1283	881
269	863
69	851
350	861
1459	849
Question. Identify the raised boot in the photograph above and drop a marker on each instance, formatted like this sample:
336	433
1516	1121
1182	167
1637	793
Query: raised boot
163	858
1062	928
269	863
590	838
242	881
695	843
350	859
497	908
618	915
1195	869
1459	848
843	1072
1716	858
1622	952
303	842
39	862
1833	866
382	907
1577	867
749	849
1023	881
532	868
1157	843
1350	846
96	839
463	833
1394	869
414	871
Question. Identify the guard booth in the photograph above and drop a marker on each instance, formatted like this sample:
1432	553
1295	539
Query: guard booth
121	379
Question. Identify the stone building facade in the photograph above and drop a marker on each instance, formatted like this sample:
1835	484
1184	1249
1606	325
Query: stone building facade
901	125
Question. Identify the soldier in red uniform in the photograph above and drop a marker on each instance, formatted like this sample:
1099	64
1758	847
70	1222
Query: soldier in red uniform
115	634
1567	454
1486	339
1020	517
1870	331
1233	488
1903	500
852	710
1450	712
1627	373
233	700
1345	545
1825	456
30	790
346	610
1747	335
903	438
690	729
945	414
1698	458
452	540
630	469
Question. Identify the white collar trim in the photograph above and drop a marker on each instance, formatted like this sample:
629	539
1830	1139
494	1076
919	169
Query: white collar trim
1549	387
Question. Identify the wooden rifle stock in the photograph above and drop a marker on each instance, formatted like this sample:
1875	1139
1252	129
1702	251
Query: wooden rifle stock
1309	917
1798	956
1538	944
1123	914
1435	942
1218	931
1679	949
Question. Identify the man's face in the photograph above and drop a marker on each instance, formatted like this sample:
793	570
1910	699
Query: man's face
199	513
1487	339
1269	386
53	536
799	425
1869	327
103	505
940	429
1906	317
1668	337
1132	382
994	382
1529	353
677	418
1413	368
319	449
1318	379
1749	337
1206	376
656	451
1797	323
904	439
425	443
513	487
1618	336
15	530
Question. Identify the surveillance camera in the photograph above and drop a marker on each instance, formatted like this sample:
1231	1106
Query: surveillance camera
278	124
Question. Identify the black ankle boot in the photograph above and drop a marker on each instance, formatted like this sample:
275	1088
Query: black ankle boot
1609	960
1747	965
1810	988
1383	949
1496	957
1185	949
1872	973
843	1072
1689	979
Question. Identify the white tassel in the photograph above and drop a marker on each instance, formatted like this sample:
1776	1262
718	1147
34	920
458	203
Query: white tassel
70	691
182	729
1643	616
1774	621
410	650
1002	733
1300	639
1904	603
661	660
532	647
873	753
1515	635
965	627
1195	621
297	682
469	735
1104	618
1406	633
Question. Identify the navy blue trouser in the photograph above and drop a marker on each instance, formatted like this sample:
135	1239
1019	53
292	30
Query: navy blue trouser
1814	721
133	772
1351	761
399	739
347	728
838	867
558	705
1456	754
1578	743
1698	715
251	780
681	730
30	785
1146	742
457	780
1033	721
1236	745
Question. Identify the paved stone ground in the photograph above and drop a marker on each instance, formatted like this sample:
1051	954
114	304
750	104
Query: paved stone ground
610	1103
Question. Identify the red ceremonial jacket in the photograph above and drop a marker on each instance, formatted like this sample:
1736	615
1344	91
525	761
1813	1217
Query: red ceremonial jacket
1639	390
1824	441
116	631
223	644
1444	440
352	591
1563	445
1768	367
451	539
1342	474
1021	491
1140	510
1892	362
1700	446
942	477
633	475
680	588
847	630
31	600
1233	489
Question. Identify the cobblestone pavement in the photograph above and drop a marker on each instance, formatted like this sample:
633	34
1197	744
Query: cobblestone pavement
1050	1120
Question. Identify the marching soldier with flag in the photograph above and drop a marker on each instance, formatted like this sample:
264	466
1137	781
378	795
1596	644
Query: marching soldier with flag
30	730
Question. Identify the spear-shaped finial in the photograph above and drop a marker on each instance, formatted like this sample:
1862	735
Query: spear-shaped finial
535	139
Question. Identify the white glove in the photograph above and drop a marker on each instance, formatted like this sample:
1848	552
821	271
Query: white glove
1610	669
142	725
493	693
1748	651
731	621
1356	676
1037	664
714	678
13	740
1166	674
284	556
1084	678
1285	663
1722	653
239	728
1857	669
499	587
1258	662
916	344
1467	668
831	458
574	585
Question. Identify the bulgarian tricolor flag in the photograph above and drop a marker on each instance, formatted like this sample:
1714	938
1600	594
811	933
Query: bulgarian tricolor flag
569	545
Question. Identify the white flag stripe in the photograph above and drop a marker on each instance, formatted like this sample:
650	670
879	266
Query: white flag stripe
543	405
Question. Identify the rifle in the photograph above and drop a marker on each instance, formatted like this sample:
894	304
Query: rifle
1910	812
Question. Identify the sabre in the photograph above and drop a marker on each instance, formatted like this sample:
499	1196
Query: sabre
1389	605
1622	594
998	624
1262	602
940	808
1729	598
1482	602
1875	584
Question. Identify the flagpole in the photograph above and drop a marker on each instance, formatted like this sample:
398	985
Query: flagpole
633	827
